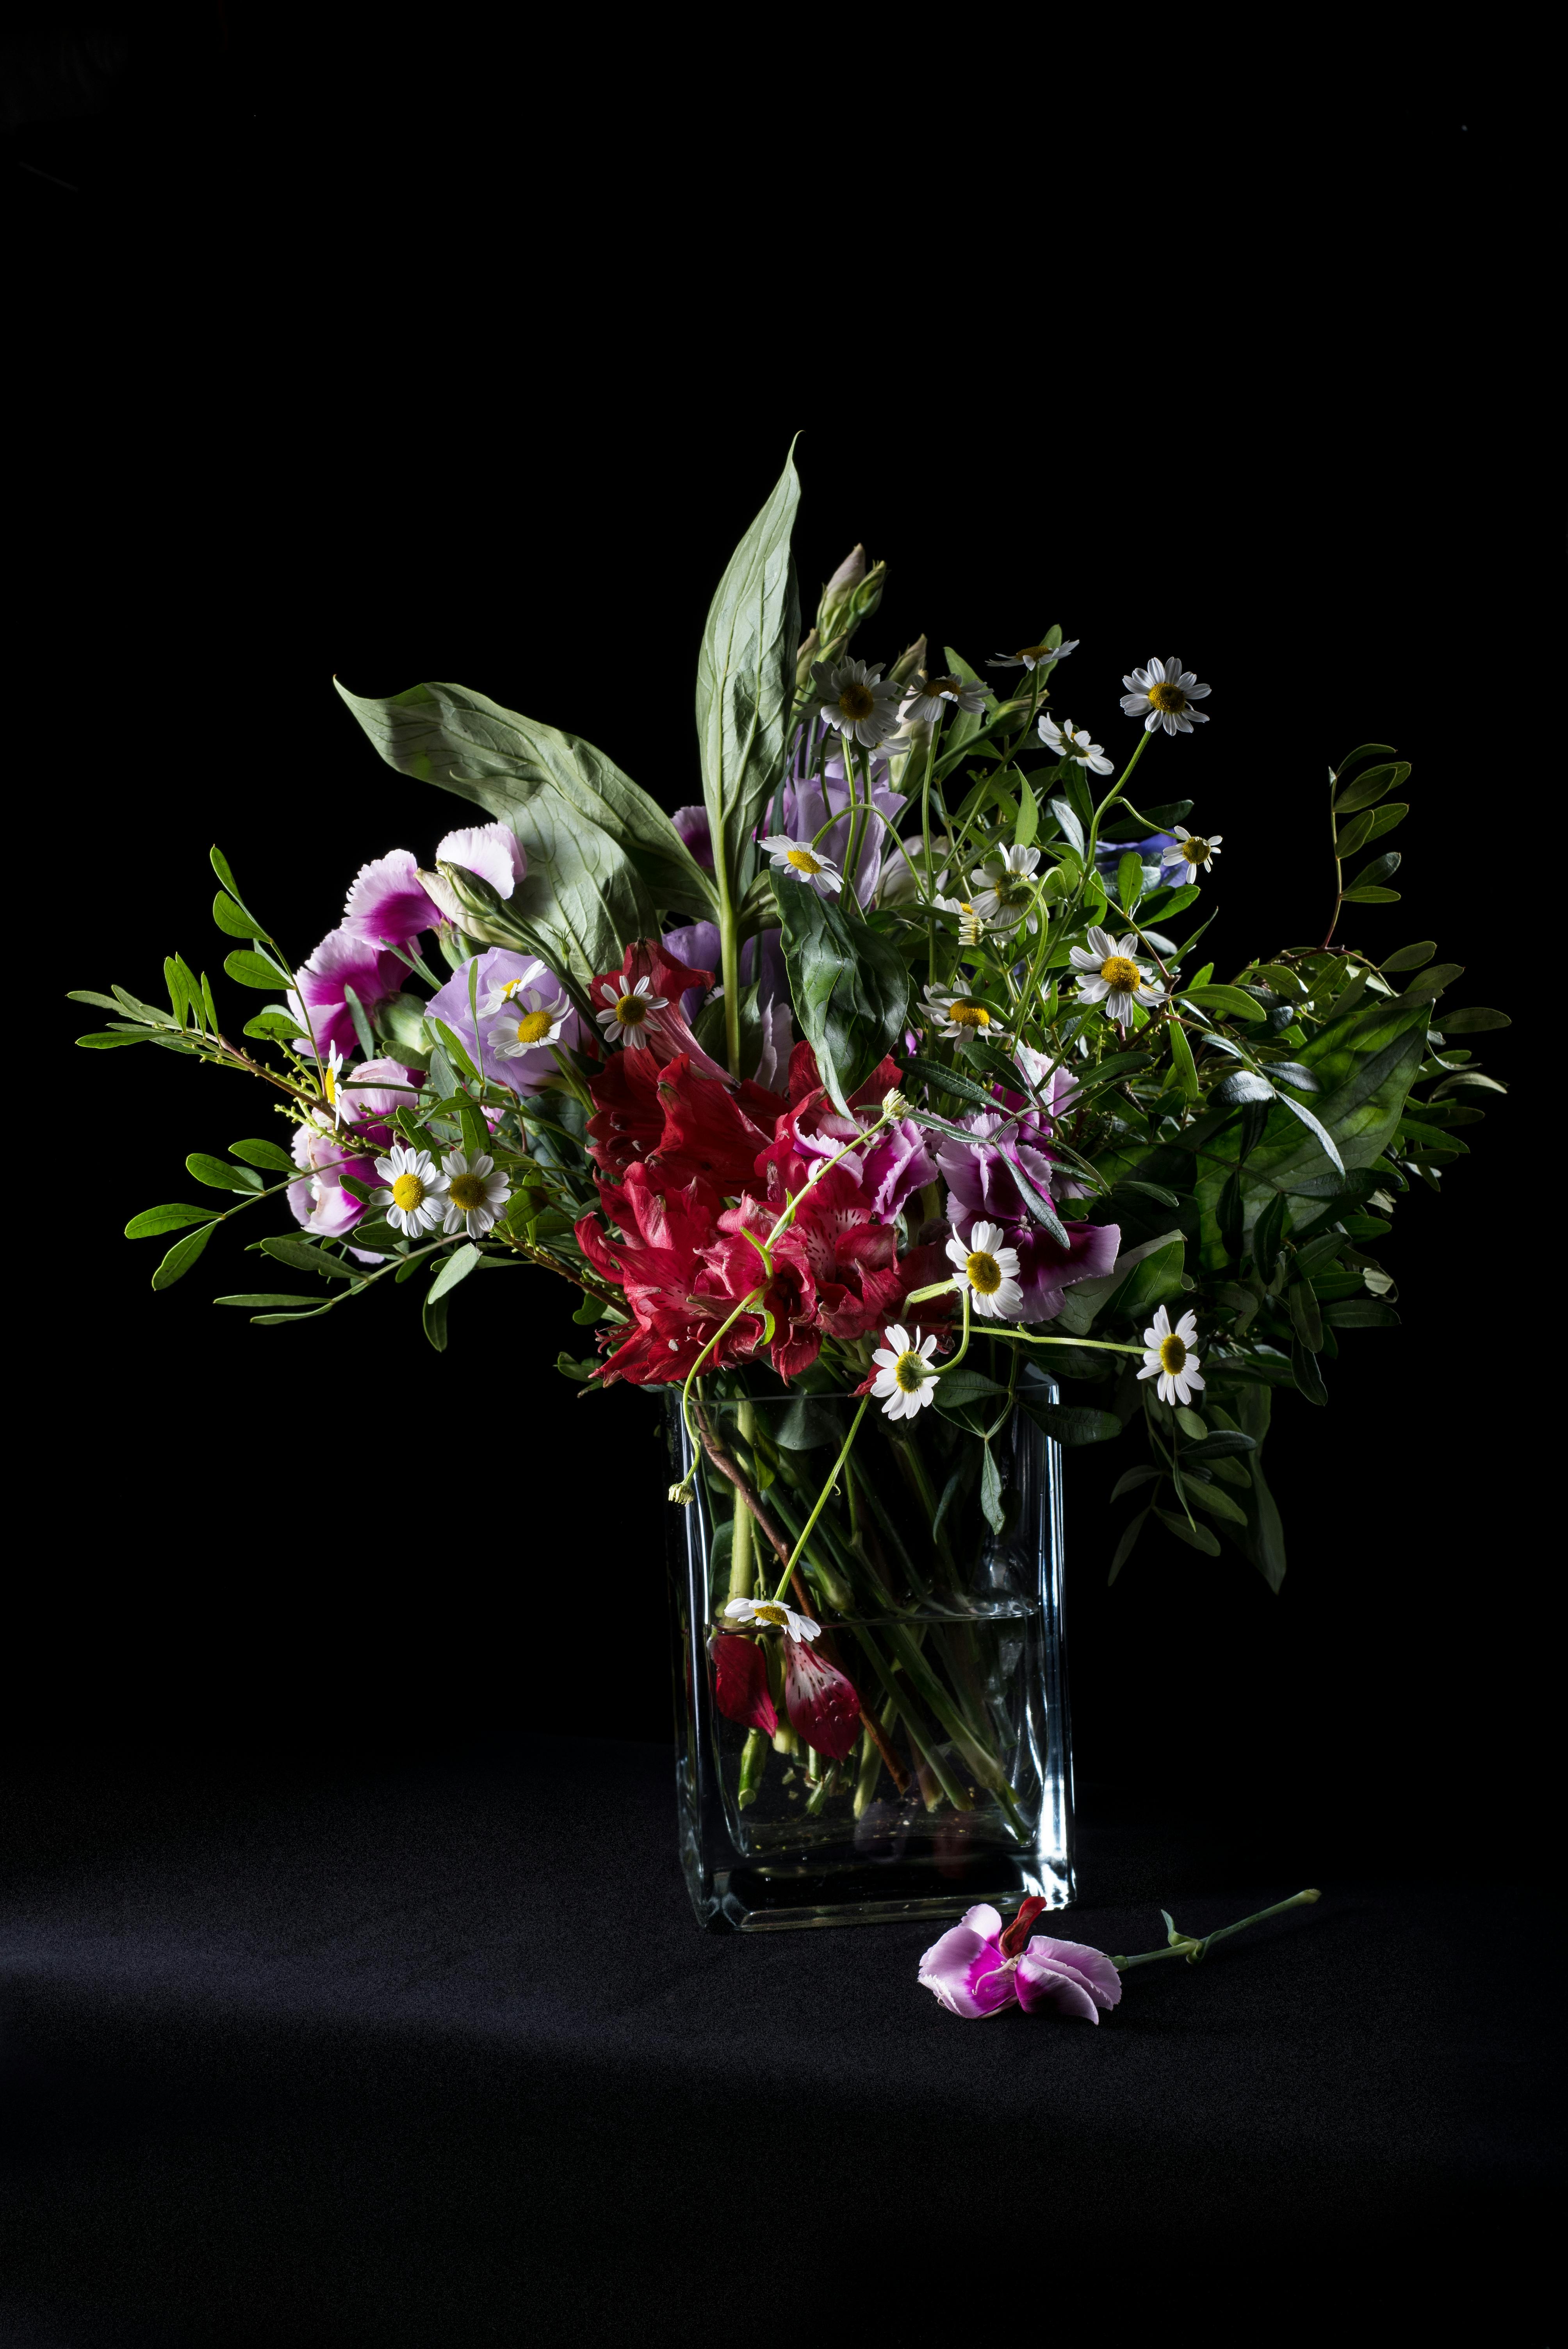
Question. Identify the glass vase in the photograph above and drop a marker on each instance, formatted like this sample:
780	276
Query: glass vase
935	1571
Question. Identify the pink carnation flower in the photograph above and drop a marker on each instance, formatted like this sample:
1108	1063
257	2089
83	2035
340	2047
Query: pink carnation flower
386	905
491	850
980	1967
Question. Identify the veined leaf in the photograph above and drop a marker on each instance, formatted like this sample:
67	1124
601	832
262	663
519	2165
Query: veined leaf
302	1256
252	970
154	1220
1374	784
264	1154
266	1296
745	677
229	917
218	1175
849	986
546	786
458	1266
1473	1020
1410	958
182	1256
1196	1536
1228	1001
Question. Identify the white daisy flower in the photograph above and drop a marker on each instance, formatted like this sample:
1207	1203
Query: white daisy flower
414	1196
1196	853
991	1272
331	1076
628	1009
960	1015
772	1616
905	1381
971	925
1073	742
798	858
1111	976
855	700
531	1021
1033	656
499	999
1170	1359
475	1194
1166	691
925	697
1005	894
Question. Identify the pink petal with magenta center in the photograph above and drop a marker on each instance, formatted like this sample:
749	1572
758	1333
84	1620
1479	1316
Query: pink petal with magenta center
965	1972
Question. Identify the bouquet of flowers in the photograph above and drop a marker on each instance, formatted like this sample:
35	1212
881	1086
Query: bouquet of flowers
894	1069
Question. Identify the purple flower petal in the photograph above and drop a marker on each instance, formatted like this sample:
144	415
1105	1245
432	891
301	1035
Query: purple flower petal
966	1972
386	905
493	850
1070	1974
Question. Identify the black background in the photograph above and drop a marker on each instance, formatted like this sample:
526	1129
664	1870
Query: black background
415	367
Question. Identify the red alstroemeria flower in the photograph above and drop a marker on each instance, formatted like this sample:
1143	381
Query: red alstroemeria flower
821	1701
680	1125
662	1033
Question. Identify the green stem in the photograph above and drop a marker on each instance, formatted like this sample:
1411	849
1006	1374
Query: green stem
740	1574
822	1501
1184	1945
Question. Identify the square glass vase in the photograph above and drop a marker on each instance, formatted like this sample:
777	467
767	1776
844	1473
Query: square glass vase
935	1571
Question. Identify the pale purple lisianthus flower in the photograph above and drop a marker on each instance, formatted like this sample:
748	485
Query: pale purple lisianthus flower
370	1093
698	947
808	804
980	1183
497	967
343	960
973	1975
386	905
691	823
493	850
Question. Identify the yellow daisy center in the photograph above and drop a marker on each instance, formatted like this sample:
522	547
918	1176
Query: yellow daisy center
632	1010
948	685
802	860
329	1088
1012	888
510	990
1172	1354
1031	652
1195	851
1121	972
985	1273
767	1613
1168	697
532	1026
407	1192
963	1013
857	701
909	1372
467	1192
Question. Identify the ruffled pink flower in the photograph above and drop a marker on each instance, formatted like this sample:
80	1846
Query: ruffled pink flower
386	904
370	1093
491	850
980	1184
980	1967
318	1202
343	960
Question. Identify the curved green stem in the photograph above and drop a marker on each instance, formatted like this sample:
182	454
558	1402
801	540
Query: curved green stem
822	1501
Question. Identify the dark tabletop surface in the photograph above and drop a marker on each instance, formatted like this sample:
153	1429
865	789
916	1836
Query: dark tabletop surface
438	2053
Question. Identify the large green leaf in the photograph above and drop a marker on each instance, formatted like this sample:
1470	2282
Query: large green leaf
534	778
848	984
1263	1539
745	677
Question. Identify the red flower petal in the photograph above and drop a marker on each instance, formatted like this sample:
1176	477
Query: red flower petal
740	1682
1018	1932
821	1703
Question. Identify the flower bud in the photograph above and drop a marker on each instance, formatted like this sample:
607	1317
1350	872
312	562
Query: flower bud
904	667
468	900
399	1021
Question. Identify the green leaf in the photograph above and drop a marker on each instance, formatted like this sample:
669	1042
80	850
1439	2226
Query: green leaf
1354	835
106	1039
1308	1377
1124	1547
1074	1423
1226	1442
1473	1020
86	995
1228	1001
361	1024
1181	1061
1382	868
1375	784
218	1175
1132	1479
273	1028
251	970
547	787
745	677
433	1314
1305	1318
153	1220
1361	1313
1191	1424
1129	880
265	1297
1432	981
229	917
1026	830
1410	958
1384	818
264	1154
1372	896
182	1256
962	1387
1314	1126
456	1268
1216	1500
1196	1536
1146	1190
849	986
990	1490
302	1256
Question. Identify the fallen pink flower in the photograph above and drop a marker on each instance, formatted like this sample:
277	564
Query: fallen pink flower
980	1967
